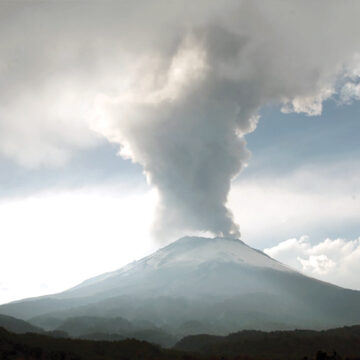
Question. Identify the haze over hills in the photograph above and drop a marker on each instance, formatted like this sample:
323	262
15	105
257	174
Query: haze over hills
197	285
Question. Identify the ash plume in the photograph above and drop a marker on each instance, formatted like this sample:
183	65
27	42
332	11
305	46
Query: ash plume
177	87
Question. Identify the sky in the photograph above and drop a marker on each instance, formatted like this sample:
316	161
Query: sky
117	137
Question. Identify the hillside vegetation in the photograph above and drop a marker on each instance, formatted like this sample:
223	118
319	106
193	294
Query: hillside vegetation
341	343
277	344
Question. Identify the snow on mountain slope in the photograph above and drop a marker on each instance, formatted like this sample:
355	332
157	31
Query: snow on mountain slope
193	252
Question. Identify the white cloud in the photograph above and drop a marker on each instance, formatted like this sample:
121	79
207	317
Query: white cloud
44	126
310	104
317	264
350	92
333	260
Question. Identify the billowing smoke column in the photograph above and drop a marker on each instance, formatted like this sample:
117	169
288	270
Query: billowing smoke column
176	85
186	130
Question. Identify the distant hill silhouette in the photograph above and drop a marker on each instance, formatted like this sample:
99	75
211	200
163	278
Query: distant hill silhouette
82	325
35	346
18	326
94	328
287	345
337	344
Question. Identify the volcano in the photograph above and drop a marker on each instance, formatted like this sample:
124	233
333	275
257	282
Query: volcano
200	285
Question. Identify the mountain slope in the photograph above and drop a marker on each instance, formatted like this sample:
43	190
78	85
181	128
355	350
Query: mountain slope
187	264
221	285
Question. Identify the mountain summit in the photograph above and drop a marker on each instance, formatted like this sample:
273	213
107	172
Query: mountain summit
190	263
216	285
195	251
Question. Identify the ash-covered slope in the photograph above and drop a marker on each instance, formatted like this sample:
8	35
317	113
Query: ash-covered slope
202	285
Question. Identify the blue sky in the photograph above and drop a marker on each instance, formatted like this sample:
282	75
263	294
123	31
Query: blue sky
294	140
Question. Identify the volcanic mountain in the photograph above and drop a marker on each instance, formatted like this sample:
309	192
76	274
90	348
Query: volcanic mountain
200	285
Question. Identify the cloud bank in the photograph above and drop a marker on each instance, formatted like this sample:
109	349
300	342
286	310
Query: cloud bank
332	260
176	87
